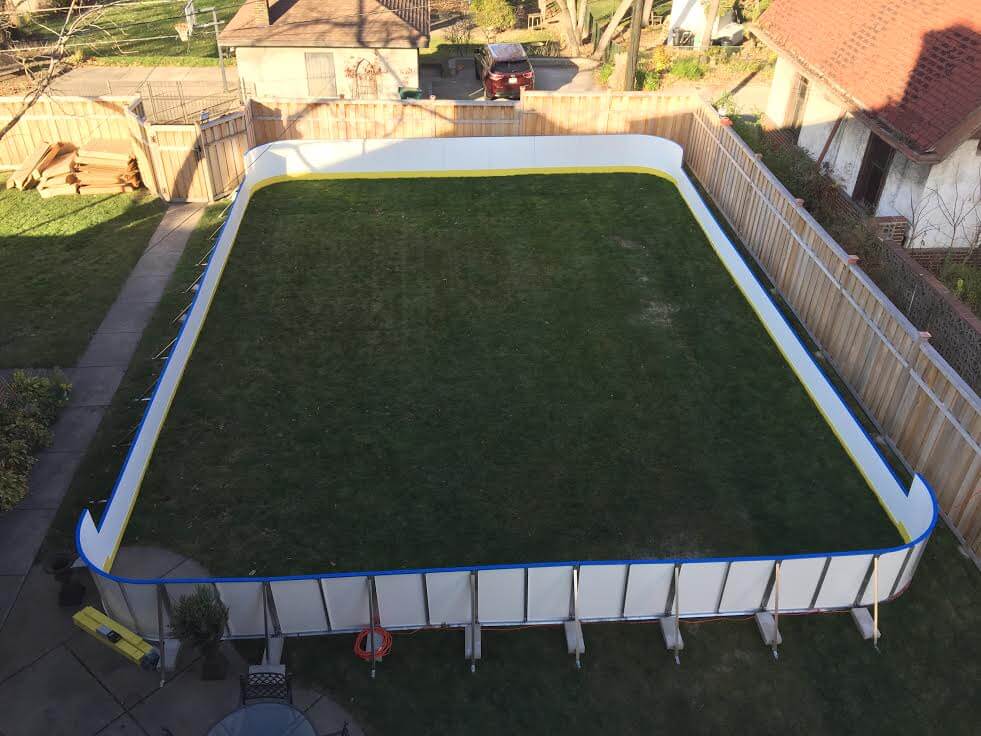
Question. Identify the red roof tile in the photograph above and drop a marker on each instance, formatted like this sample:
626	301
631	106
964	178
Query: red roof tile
914	67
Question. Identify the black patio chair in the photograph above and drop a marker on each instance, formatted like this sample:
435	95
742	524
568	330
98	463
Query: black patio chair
266	685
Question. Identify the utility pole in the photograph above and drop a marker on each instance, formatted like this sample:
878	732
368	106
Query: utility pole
633	48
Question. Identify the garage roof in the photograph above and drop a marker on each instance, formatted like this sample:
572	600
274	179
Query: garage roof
331	23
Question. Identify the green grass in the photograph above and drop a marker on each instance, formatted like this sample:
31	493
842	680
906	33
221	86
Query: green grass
146	21
62	262
389	355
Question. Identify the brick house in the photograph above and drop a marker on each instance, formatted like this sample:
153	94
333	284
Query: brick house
888	96
352	49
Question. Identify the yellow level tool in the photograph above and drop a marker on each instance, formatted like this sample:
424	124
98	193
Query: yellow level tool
116	636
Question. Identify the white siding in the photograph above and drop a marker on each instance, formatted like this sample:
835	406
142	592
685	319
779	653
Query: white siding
281	72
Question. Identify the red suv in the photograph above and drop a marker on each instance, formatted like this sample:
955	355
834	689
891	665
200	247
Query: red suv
504	69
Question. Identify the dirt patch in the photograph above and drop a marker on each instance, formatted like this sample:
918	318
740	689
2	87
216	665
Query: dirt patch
658	314
628	244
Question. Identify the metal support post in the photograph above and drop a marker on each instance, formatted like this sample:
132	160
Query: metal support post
875	602
776	610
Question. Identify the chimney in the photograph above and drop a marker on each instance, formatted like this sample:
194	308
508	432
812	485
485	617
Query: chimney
260	12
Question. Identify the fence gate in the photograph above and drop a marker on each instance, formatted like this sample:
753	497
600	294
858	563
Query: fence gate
199	162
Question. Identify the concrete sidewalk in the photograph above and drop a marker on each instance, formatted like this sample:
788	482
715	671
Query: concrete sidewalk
88	81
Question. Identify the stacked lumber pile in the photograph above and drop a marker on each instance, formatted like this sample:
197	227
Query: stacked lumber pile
98	167
106	167
33	168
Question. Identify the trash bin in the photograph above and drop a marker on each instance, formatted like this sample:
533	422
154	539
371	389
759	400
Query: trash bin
410	93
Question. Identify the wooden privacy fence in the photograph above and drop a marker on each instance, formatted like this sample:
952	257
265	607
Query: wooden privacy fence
538	113
926	412
196	162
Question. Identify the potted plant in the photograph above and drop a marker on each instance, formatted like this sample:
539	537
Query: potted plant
200	620
60	565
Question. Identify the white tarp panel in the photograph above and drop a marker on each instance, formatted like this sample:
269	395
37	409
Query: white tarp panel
449	597
746	585
601	589
798	581
112	598
245	611
401	600
549	593
842	583
647	589
700	584
347	602
911	567
143	600
889	565
501	596
299	606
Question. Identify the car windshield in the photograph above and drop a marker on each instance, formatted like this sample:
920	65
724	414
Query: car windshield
511	67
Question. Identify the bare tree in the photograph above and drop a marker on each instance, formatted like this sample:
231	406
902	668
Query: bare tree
919	217
959	209
42	62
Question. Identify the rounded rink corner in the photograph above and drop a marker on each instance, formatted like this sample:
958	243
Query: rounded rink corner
566	592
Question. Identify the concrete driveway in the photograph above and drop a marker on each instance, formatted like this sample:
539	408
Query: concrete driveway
456	80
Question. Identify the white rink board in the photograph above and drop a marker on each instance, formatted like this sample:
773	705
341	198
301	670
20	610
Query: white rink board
601	590
347	602
299	606
746	585
245	609
700	585
630	589
501	596
798	580
449	597
401	600
843	581
143	602
549	593
647	590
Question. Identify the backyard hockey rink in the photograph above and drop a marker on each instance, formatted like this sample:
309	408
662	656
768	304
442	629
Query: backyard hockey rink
537	592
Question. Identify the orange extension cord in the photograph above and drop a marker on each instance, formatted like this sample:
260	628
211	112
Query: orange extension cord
364	652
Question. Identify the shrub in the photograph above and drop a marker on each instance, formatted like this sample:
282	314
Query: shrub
605	71
28	407
964	280
648	80
199	619
688	69
660	60
495	15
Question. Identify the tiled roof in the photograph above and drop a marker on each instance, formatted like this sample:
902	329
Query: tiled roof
332	23
912	67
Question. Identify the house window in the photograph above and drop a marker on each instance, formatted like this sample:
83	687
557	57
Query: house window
872	173
798	100
321	81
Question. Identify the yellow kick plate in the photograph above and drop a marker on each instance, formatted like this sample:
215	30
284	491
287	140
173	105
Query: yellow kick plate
116	636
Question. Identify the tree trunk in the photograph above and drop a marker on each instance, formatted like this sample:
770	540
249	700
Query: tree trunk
646	18
711	15
611	29
568	21
583	20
